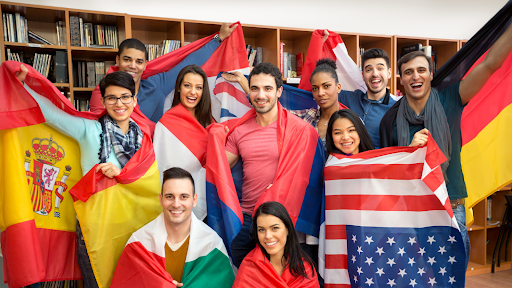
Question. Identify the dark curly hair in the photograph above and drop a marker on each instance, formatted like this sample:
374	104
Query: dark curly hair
270	69
328	66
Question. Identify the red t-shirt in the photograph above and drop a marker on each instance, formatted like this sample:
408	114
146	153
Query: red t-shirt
257	146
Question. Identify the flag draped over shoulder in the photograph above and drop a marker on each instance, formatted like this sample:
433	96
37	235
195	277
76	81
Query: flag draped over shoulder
111	209
388	221
349	74
180	141
298	183
39	167
485	120
230	56
142	263
256	271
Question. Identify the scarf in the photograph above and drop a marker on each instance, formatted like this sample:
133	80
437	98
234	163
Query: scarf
433	118
112	136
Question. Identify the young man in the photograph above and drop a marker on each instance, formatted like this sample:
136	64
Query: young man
377	100
152	92
426	110
176	247
262	141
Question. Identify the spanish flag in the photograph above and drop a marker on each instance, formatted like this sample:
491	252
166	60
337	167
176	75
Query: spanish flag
39	165
485	122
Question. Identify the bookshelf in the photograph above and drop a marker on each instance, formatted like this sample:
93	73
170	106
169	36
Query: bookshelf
153	30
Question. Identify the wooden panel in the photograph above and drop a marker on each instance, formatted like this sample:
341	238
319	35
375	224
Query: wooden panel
195	31
479	213
352	43
265	38
154	31
444	49
477	238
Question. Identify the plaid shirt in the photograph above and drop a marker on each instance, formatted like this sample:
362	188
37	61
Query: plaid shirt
311	116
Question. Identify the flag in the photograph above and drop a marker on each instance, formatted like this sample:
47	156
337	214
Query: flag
485	120
256	271
39	166
180	141
298	183
388	221
233	99
230	56
142	263
333	48
111	209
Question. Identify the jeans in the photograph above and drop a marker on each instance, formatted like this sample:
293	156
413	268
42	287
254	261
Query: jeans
244	241
83	260
460	216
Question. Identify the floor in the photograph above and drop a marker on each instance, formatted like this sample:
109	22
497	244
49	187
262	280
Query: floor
498	279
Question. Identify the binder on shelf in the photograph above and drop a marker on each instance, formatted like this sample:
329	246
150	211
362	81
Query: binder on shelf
61	67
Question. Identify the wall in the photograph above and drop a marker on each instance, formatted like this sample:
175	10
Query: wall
449	19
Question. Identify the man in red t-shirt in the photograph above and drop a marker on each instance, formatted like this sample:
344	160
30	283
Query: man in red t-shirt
255	141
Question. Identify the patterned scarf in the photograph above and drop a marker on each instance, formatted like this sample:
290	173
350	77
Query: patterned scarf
112	136
433	118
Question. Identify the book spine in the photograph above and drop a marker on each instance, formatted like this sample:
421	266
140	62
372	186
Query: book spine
4	23
281	50
74	28
82	39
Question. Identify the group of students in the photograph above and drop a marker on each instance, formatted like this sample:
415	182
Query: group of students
268	241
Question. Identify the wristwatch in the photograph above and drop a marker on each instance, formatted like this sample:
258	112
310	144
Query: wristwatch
217	37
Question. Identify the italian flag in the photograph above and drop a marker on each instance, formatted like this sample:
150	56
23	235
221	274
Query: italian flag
142	263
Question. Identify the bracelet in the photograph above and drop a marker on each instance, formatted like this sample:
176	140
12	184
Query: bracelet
217	37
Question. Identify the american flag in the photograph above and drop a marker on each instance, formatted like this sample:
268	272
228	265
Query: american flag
388	221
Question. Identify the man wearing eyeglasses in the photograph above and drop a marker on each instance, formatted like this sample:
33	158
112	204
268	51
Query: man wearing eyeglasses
114	135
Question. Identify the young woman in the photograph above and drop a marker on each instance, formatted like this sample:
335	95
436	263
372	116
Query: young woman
346	134
194	94
278	256
180	138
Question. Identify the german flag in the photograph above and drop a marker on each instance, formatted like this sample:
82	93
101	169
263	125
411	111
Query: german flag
485	122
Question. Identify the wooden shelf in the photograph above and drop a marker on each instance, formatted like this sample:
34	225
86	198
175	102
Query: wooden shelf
64	85
83	89
34	45
475	228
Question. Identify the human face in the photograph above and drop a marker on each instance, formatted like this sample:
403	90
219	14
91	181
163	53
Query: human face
119	111
345	136
177	200
191	90
133	62
325	90
376	75
272	235
263	93
416	79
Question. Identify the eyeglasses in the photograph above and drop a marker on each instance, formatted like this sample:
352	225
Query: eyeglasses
125	99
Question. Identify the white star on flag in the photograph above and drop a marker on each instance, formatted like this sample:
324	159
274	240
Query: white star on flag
412	240
452	280
359	270
354	259
391	262
431	239
391	241
369	240
422	251
432	281
380	250
380	271
355	278
451	240
359	250
369	281
411	261
413	282
443	270
369	260
452	259
402	272
354	238
442	250
391	283
401	251
421	271
431	260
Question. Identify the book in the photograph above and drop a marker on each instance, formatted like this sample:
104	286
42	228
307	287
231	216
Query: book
259	55
4	24
410	48
281	48
299	63
74	28
285	64
39	38
60	67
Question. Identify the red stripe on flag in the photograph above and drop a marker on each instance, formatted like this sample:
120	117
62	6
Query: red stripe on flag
23	263
375	171
59	254
338	261
434	179
226	87
335	232
337	285
383	203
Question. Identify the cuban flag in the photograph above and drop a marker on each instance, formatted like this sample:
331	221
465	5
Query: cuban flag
388	221
298	183
349	74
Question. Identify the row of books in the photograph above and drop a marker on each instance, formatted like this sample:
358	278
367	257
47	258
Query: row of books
419	47
254	55
92	35
81	104
291	64
53	67
89	74
166	46
59	284
61	35
15	27
361	52
14	56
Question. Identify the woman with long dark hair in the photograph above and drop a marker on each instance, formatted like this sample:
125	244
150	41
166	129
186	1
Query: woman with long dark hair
277	260
346	134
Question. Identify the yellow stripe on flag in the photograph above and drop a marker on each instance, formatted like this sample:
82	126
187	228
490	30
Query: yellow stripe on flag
109	218
486	161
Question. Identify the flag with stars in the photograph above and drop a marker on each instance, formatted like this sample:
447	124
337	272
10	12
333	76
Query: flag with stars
388	221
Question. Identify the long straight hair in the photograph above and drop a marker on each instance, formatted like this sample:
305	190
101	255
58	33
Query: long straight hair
204	108
365	143
293	253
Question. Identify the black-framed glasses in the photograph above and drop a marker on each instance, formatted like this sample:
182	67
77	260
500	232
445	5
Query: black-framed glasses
125	99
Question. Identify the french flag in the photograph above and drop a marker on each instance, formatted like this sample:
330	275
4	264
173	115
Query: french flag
388	221
298	183
349	74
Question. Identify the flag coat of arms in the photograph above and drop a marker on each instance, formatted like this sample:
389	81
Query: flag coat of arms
333	48
41	165
388	221
298	183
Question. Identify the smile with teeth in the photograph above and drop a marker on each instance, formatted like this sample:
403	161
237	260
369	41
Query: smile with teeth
347	144
416	86
191	99
120	111
271	244
176	212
